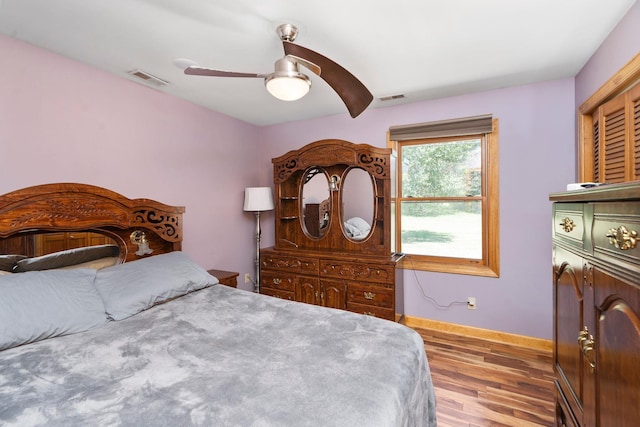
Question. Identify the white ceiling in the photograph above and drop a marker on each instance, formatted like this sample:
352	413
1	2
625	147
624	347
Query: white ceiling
420	48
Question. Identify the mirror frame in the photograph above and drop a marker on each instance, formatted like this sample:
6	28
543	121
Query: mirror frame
335	157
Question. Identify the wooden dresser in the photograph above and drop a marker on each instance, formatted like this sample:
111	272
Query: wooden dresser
363	285
596	289
317	258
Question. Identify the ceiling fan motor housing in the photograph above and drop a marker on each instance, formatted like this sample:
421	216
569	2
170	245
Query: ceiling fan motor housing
287	32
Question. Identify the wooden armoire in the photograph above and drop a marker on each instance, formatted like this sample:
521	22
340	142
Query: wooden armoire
333	229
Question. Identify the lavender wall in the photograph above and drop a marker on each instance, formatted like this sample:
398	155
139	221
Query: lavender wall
536	145
618	49
61	121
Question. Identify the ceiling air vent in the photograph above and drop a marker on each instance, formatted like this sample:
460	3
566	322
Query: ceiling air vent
391	97
148	78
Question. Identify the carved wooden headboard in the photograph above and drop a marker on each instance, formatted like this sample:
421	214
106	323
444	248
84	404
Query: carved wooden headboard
80	207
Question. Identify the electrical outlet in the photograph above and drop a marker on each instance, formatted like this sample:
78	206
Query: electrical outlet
247	277
471	303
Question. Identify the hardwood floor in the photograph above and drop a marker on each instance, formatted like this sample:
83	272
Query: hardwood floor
483	383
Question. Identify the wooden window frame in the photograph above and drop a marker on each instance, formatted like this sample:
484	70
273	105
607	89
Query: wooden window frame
489	265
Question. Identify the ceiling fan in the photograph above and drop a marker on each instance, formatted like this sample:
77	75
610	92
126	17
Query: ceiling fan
288	83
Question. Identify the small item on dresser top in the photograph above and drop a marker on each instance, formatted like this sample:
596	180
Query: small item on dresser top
583	185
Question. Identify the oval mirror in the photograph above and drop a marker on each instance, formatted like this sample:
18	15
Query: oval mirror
316	202
358	203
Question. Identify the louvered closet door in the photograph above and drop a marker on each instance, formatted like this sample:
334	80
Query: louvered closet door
597	164
612	130
616	139
634	100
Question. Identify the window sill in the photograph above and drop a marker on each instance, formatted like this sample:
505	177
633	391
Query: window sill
462	266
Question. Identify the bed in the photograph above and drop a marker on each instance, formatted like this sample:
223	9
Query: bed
155	340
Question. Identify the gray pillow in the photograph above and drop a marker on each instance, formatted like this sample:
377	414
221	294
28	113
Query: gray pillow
66	258
132	287
45	304
8	262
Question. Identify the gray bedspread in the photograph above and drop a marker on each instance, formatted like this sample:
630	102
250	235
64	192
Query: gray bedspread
223	357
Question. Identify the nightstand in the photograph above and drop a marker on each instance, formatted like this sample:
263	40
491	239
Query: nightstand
229	278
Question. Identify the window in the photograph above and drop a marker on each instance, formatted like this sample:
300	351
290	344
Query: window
446	208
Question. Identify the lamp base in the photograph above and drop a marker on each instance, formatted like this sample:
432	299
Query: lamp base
256	284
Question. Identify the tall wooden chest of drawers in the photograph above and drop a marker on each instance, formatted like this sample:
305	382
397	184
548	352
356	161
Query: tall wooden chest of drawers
596	290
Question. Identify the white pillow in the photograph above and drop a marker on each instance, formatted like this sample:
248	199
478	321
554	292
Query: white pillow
362	225
43	304
351	230
132	287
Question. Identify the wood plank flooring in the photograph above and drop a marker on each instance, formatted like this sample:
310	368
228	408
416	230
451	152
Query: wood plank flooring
482	383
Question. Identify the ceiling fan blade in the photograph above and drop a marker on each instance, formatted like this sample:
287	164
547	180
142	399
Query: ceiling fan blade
351	90
196	70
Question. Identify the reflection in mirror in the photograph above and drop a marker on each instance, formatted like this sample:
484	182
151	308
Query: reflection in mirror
45	251
358	201
316	202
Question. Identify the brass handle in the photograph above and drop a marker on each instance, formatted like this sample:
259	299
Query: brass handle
369	313
276	281
567	224
622	238
369	295
583	335
587	343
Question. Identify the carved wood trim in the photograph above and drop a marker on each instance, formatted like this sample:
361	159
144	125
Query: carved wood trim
70	206
328	152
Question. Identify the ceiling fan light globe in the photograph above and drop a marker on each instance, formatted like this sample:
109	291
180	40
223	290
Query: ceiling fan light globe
288	86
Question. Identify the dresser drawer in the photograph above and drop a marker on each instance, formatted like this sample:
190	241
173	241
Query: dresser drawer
278	280
370	310
616	229
290	263
370	295
568	223
355	271
277	293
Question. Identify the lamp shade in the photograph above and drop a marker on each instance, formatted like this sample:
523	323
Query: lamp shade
257	199
288	88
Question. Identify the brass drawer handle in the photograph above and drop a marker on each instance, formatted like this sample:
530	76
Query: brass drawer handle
587	343
369	295
622	238
276	281
369	313
567	225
